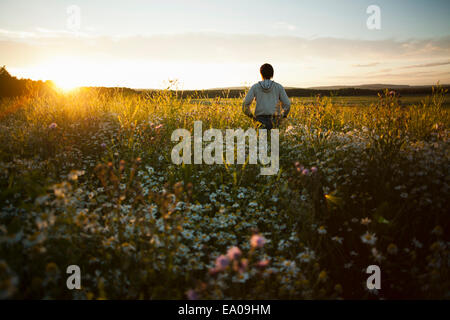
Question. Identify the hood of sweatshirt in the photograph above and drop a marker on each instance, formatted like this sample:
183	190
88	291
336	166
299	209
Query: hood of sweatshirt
266	85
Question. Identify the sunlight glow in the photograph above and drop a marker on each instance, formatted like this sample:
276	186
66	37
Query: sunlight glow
66	84
67	73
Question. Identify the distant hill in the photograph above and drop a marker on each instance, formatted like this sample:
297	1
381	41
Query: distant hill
376	86
358	90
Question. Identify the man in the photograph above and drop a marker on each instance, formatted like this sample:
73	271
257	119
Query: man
267	93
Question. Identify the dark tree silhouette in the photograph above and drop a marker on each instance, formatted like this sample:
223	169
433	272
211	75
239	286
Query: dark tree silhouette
12	87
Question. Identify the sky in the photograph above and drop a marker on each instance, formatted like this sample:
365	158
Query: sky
210	44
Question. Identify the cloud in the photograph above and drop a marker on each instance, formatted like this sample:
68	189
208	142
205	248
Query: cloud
217	47
427	65
16	34
285	26
373	64
411	78
298	60
40	33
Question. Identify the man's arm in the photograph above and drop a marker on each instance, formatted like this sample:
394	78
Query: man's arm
286	103
247	102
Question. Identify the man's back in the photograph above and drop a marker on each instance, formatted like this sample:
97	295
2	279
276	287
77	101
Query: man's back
267	93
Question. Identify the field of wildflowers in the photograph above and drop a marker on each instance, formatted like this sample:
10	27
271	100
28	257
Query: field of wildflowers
86	179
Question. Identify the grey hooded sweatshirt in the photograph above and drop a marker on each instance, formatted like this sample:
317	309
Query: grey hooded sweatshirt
267	93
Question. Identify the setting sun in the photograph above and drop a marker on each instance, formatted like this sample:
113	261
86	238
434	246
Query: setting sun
66	84
67	73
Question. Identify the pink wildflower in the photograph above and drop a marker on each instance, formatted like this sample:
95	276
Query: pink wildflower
257	241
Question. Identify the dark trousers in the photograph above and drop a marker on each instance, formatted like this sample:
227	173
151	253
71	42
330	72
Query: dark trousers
267	122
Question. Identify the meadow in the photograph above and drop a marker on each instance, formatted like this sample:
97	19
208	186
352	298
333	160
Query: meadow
87	179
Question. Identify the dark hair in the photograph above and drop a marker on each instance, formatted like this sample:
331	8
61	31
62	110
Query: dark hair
266	71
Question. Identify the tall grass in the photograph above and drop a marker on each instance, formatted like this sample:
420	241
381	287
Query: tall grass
86	179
